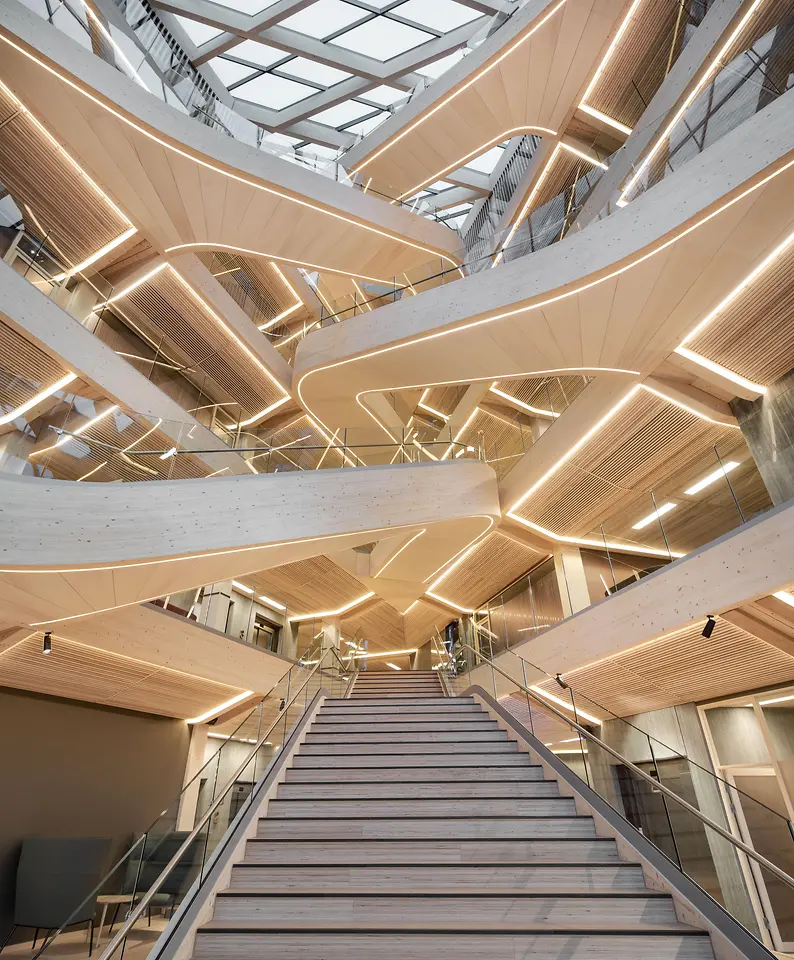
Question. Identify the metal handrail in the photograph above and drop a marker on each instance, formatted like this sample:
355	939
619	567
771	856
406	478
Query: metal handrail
147	898
657	785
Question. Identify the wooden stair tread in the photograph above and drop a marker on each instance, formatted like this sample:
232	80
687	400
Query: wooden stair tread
662	929
501	893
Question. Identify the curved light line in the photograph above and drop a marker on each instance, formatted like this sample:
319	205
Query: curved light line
621	547
461	161
394	556
532	29
272	256
575	291
219	170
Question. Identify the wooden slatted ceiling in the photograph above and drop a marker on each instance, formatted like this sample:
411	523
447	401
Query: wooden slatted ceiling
306	586
546	393
80	672
24	369
495	561
55	199
640	61
699	518
506	439
422	620
548	728
186	331
78	456
378	623
754	334
681	668
646	441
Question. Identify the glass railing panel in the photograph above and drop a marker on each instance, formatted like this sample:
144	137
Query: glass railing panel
733	837
753	72
167	858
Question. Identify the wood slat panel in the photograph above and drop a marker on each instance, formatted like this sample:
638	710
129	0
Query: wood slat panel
57	200
495	562
660	673
80	672
421	620
187	332
646	443
24	369
309	585
380	624
754	334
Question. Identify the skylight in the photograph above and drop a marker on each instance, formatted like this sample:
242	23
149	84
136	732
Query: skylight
486	161
384	95
270	91
441	15
313	71
382	38
437	67
198	32
228	71
342	113
246	6
324	18
367	126
260	54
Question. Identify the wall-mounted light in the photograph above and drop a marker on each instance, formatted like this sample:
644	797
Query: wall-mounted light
46	646
708	629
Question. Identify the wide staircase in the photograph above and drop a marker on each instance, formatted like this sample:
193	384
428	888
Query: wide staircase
409	825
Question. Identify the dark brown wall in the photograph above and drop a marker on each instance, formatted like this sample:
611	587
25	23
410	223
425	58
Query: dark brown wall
72	769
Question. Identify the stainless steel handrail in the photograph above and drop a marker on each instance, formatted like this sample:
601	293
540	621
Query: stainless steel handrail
144	902
657	785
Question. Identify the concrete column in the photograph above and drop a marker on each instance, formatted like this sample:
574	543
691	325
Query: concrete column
215	605
186	816
767	425
571	580
423	658
288	641
331	633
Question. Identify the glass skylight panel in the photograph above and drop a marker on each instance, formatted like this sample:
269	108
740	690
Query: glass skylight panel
246	6
260	54
382	38
198	32
437	67
385	95
486	161
441	15
275	92
440	185
342	113
313	71
323	18
228	71
364	127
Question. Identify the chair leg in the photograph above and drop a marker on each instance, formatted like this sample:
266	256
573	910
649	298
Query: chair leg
149	917
115	916
35	938
8	937
91	937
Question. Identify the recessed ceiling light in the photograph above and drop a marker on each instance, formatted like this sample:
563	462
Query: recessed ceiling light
665	508
712	477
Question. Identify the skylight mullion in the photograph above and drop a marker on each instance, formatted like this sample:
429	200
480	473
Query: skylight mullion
345	90
392	15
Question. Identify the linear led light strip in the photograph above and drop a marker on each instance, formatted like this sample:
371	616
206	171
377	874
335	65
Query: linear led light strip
272	257
214	711
42	395
456	93
209	166
616	124
221	323
397	554
717	368
602	66
81	429
84	176
266	600
331	613
663	245
709	73
567	706
534	191
507	396
482	148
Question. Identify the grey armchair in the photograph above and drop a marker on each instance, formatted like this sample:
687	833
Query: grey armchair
54	876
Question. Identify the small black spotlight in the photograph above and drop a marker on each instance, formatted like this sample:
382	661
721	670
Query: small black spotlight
561	682
46	646
711	623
